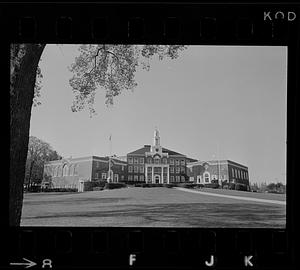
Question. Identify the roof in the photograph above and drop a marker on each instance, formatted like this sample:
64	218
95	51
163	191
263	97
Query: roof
214	162
147	148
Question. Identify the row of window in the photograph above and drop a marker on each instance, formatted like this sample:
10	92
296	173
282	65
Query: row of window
239	174
64	170
104	176
136	178
141	169
149	178
155	160
98	165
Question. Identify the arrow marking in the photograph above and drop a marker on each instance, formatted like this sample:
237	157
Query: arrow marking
27	264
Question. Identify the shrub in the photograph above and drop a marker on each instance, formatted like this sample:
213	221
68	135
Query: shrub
98	188
60	190
114	185
212	185
169	185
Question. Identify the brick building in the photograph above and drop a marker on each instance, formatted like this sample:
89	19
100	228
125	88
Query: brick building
226	173
156	164
69	172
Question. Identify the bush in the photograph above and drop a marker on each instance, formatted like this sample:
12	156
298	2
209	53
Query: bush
114	185
169	185
212	185
98	188
60	190
187	185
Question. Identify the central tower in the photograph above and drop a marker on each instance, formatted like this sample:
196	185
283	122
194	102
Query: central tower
156	138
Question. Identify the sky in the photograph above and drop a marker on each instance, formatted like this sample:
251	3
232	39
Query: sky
212	102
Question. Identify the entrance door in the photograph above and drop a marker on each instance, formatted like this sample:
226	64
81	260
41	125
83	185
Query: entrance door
157	178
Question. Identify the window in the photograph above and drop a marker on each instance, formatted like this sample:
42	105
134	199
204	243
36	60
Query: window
141	169
142	178
165	161
75	169
182	162
149	160
171	169
103	176
177	169
71	170
156	160
171	161
129	177
55	171
165	169
172	178
177	162
65	170
130	160
136	178
247	175
136	160
182	178
97	175
206	177
141	160
177	178
116	177
182	169
136	169
130	169
149	169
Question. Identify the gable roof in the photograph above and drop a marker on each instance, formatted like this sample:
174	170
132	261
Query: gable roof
140	151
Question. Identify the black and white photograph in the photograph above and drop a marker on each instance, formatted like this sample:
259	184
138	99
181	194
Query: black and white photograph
181	136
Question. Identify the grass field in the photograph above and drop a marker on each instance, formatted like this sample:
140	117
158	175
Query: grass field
153	207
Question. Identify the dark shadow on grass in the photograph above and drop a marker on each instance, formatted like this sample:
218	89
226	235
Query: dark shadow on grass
188	215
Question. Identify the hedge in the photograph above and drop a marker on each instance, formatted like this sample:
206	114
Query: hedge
114	185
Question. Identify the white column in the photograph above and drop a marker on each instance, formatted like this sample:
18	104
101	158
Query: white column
152	180
168	175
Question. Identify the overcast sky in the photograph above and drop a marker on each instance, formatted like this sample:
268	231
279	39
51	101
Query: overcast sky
212	102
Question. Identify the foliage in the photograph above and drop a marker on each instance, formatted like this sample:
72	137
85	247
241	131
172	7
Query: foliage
38	153
114	185
37	87
113	68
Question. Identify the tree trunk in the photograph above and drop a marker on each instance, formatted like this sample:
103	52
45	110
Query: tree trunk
24	62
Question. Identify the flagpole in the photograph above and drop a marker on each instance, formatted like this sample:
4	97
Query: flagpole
109	161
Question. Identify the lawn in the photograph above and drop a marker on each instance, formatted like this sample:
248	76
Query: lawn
151	207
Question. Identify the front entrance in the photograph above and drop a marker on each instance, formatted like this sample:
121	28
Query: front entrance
156	179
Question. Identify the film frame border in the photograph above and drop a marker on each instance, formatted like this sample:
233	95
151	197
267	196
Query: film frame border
192	24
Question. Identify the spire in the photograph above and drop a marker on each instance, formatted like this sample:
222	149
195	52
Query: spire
156	139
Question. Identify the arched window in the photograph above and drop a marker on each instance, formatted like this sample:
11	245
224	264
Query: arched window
75	169
59	171
55	171
149	160
65	170
71	170
157	160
